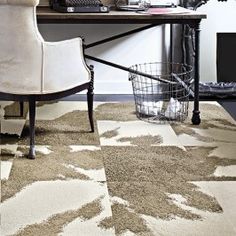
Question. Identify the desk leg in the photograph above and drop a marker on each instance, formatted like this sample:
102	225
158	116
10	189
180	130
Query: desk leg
196	120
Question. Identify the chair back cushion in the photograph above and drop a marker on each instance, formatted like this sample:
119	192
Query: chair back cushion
20	47
20	2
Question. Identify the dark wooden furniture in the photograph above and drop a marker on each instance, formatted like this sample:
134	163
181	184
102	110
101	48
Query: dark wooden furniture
46	15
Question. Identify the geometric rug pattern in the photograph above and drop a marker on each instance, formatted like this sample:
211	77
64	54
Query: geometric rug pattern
128	178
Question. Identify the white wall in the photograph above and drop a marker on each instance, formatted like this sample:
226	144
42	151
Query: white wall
221	17
145	46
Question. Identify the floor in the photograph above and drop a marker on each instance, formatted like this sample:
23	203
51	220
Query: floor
229	106
53	199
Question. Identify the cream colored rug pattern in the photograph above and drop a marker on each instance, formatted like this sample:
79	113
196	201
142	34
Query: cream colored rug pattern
128	178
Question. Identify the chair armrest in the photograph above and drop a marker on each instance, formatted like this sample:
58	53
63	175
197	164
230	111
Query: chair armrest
64	66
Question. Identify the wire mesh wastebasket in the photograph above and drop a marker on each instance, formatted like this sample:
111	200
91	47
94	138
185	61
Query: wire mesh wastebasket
161	91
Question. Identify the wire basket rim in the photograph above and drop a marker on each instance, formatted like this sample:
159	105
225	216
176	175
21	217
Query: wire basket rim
189	67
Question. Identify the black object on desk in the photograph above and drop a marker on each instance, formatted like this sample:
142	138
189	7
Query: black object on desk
78	6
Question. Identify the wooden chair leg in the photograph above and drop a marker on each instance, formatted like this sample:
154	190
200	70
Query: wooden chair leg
90	108
21	109
90	100
32	128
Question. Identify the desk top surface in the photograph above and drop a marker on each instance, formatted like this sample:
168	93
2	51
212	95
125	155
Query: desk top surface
47	15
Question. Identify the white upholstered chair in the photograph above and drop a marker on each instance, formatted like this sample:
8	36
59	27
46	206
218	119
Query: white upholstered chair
34	70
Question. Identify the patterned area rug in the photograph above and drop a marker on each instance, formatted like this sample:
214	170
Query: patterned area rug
128	178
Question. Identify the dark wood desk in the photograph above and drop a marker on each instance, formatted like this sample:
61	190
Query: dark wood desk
45	15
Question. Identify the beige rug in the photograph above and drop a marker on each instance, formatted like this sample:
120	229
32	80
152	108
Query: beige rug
128	178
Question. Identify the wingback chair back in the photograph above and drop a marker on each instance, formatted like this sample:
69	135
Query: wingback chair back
34	70
28	64
20	47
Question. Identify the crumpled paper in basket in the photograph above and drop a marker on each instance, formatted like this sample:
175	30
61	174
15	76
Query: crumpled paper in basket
171	110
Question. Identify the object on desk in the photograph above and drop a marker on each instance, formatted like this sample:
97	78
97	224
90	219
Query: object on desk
79	6
167	10
140	5
161	4
153	3
130	8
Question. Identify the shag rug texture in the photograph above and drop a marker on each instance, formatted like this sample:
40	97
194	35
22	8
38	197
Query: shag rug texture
129	178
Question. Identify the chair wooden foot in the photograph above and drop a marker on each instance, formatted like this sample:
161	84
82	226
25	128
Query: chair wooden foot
90	99
90	109
32	128
32	154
